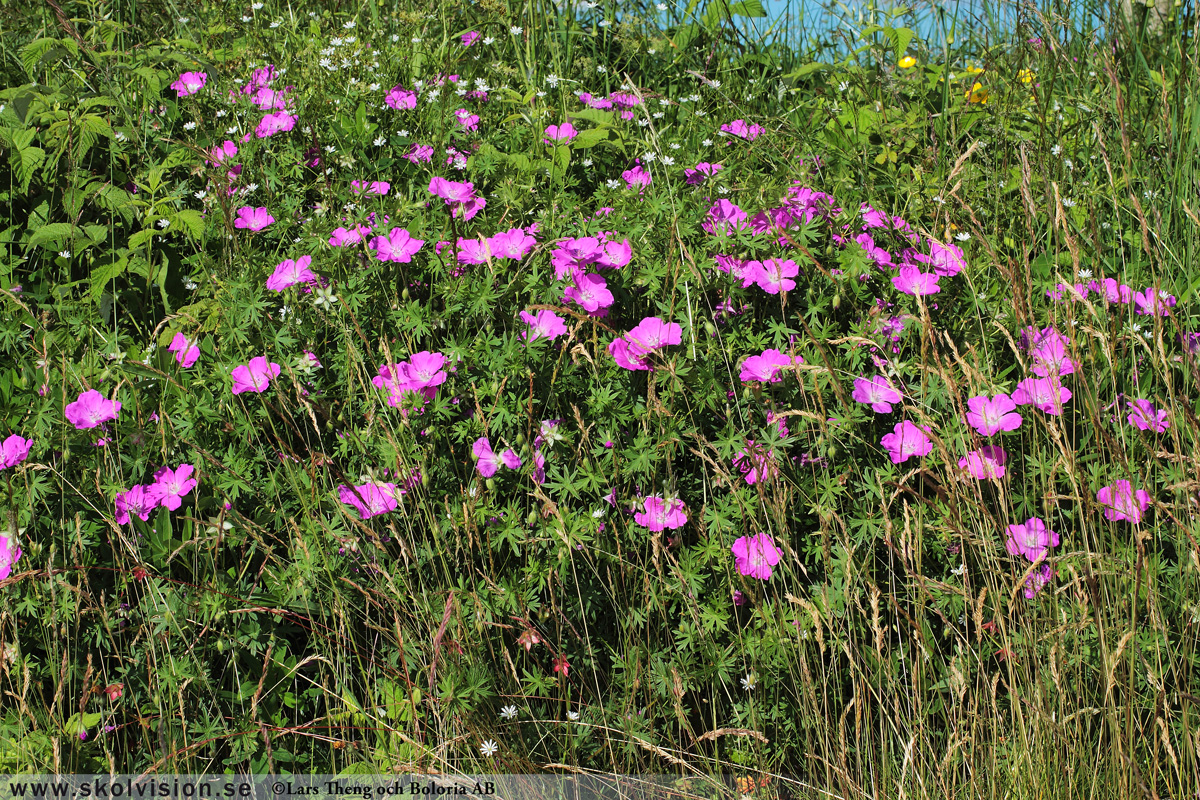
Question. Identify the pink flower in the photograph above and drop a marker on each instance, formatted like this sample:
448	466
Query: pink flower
466	119
879	256
627	357
459	196
636	178
341	237
1144	417
1050	356
172	485
756	462
589	291
289	273
653	333
253	219
1045	394
189	83
989	417
473	251
140	501
615	254
513	244
913	281
1040	578
773	275
724	219
1032	539
755	555
1153	302
255	376
223	151
370	499
278	122
186	352
400	98
91	409
947	259
10	553
907	440
267	99
544	325
986	462
661	514
398	246
739	128
766	367
1122	502
13	451
701	173
419	152
468	39
560	134
878	392
571	256
374	187
488	461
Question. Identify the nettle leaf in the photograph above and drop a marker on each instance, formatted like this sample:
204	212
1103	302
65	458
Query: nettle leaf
51	236
192	221
589	138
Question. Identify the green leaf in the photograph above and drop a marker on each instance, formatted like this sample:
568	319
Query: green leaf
51	236
191	220
589	138
747	8
104	272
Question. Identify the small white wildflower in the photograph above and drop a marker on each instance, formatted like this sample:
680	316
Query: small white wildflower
402	132
598	513
231	129
959	570
612	183
276	24
247	18
668	160
1055	150
1068	202
587	162
604	23
962	236
750	681
707	143
163	223
489	39
602	69
330	148
661	6
508	712
1068	163
256	6
251	187
657	115
416	40
649	157
349	24
284	311
541	93
395	38
65	253
374	87
200	195
516	30
189	126
552	80
324	296
190	285
573	716
380	141
675	145
221	112
1085	273
701	113
120	137
488	749
184	20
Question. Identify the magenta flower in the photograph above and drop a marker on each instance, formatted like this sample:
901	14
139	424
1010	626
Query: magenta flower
661	514
1050	356
1154	302
513	244
419	152
907	440
560	134
488	461
740	129
701	173
10	553
468	39
544	325
724	219
139	501
773	275
589	291
913	281
947	259
398	246
466	119
13	451
255	376
173	485
626	356
372	187
420	375
1040	579
400	98
571	256
1122	502
756	462
878	255
278	122
189	83
341	237
473	251
989	417
459	196
1145	417
223	151
636	178
1032	539
653	333
755	555
91	409
1045	394
615	254
289	273
986	462
267	99
766	367
370	499
253	219
878	392
186	352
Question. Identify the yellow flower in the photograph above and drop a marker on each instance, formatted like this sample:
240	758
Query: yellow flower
974	70
977	94
1025	76
907	62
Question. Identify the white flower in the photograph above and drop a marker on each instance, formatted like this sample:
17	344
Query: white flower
602	69
1068	202
488	749
541	94
715	84
508	712
349	24
612	183
489	39
65	253
707	143
247	18
200	195
250	188
163	223
661	6
184	20
395	37
668	160
587	162
284	311
598	513
221	112
573	716
843	86
380	141
189	126
374	87
516	30
1085	273
604	23
1055	150
190	285
649	157
675	145
962	236
276	24
257	6
324	296
959	569
416	40
552	80
402	132
750	681
231	129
